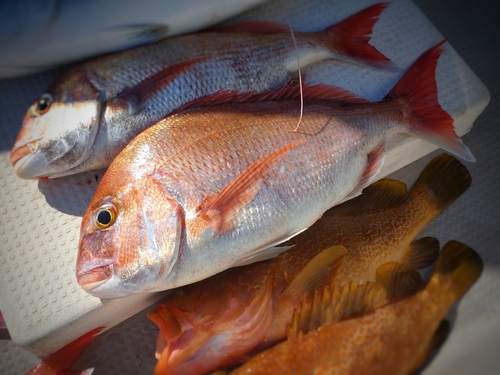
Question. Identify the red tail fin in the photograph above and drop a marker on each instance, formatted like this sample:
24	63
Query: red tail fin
433	123
354	34
63	359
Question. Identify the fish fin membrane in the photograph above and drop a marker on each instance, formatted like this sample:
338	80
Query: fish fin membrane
288	91
268	253
423	253
338	302
316	274
161	367
432	123
254	27
457	267
333	304
442	181
65	357
399	280
354	33
217	211
166	321
382	194
136	97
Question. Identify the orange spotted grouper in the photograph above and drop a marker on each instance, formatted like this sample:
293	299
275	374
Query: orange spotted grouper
96	108
391	339
221	320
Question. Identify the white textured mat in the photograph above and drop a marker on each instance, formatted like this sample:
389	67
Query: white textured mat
39	221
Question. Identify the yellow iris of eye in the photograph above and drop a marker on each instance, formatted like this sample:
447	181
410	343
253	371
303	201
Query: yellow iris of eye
105	217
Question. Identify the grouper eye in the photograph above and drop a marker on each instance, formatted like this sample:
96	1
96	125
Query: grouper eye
43	104
105	217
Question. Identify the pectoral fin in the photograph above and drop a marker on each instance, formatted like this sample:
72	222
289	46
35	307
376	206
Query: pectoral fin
166	321
216	212
319	272
137	97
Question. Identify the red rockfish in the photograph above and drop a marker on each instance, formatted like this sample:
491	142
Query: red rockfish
393	339
220	321
96	108
221	186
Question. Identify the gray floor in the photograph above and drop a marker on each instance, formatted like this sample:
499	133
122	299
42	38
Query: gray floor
473	29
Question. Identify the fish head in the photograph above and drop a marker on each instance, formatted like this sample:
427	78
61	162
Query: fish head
130	238
215	322
59	129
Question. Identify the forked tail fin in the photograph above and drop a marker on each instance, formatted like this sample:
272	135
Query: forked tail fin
431	122
354	34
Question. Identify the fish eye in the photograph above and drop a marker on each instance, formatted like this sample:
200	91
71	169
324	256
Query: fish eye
43	104
105	217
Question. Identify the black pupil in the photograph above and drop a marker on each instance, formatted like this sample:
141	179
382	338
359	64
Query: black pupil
104	217
42	105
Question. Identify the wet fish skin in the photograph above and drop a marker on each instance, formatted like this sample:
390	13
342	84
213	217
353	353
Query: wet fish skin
391	339
97	107
364	226
222	191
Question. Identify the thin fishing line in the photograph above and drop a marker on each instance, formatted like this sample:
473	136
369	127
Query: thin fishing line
298	64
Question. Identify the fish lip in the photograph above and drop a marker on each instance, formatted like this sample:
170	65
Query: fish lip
21	152
93	278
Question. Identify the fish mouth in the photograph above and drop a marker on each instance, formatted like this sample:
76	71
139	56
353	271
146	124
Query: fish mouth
19	153
89	280
21	158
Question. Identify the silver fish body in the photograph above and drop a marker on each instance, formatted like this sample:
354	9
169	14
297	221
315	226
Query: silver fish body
221	186
86	118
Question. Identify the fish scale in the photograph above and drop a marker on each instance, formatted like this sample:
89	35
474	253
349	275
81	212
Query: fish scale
111	99
176	177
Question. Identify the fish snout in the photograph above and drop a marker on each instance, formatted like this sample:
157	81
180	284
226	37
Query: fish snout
92	271
91	279
19	158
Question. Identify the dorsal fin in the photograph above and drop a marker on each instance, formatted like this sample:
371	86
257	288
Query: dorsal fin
381	194
332	304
